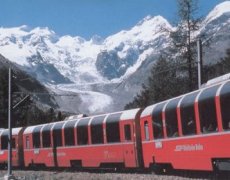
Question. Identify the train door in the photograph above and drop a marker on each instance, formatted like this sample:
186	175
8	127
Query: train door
19	147
129	145
14	145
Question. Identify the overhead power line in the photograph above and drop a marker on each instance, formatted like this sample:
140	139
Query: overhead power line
44	93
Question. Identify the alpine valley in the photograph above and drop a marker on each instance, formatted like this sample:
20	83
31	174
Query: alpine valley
102	75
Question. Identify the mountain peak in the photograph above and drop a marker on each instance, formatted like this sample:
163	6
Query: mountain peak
42	31
96	40
153	20
218	11
20	31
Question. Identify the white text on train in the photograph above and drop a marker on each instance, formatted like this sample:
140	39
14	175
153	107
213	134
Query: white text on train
189	147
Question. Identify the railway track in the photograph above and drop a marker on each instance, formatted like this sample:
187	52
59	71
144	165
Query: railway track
106	174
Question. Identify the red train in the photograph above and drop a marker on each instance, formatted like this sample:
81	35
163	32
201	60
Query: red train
189	132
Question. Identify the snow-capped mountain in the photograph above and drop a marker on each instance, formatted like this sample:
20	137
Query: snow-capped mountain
79	60
216	27
125	51
95	66
220	10
109	70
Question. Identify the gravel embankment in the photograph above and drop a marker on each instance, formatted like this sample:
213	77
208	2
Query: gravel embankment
52	175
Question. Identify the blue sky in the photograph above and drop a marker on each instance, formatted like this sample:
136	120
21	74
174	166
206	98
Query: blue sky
88	17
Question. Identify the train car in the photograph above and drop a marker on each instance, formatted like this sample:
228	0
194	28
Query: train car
17	147
107	140
189	132
37	145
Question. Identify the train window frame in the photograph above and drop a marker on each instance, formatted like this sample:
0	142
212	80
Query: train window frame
207	110
146	130
13	143
46	136
188	115
127	132
82	132
157	121
57	134
171	118
69	135
113	125
224	104
96	128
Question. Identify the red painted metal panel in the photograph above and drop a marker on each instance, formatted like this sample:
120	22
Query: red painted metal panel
179	121
194	153
197	117
91	156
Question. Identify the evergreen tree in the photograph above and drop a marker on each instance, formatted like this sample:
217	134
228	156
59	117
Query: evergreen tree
183	45
51	115
164	82
27	113
59	116
220	68
226	62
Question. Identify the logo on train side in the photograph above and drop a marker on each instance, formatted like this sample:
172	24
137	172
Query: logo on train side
189	147
58	154
108	154
158	145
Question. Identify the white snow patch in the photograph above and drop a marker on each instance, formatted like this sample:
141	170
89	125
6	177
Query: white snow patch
93	101
218	11
75	57
134	68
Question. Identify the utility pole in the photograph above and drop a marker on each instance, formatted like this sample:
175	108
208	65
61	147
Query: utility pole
9	170
199	62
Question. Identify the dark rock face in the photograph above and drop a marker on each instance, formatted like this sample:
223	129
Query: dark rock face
111	66
28	84
218	36
108	64
43	71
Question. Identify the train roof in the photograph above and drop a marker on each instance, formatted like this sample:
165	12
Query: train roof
129	114
125	115
217	80
15	131
29	129
149	109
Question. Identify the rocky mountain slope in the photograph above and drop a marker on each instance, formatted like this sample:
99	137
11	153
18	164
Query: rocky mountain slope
28	85
216	25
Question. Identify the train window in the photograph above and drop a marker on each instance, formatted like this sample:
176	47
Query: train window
112	125
146	127
82	131
4	140
188	114
13	143
171	118
207	110
157	121
27	142
127	129
46	137
36	137
57	134
97	130
69	133
225	104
